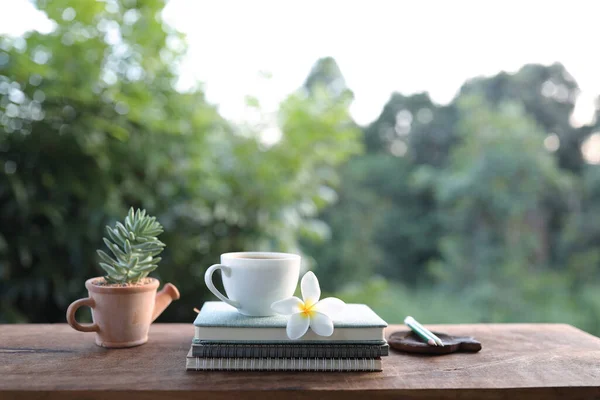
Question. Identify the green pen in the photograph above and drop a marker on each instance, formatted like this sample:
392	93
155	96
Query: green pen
422	332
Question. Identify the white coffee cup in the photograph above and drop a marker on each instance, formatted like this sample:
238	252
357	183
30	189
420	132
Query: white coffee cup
255	280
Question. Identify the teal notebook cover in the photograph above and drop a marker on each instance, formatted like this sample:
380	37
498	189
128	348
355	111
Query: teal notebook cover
219	322
219	314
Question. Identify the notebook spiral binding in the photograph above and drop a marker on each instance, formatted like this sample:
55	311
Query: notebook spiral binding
285	364
288	351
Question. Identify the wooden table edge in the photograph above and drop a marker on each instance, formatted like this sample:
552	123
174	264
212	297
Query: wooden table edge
542	393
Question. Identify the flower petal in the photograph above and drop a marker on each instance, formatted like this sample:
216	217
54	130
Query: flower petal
297	325
311	292
288	306
330	306
321	324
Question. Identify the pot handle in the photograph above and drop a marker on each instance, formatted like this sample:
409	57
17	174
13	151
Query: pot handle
89	302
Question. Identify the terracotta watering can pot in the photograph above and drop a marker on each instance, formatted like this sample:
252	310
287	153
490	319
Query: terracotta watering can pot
122	315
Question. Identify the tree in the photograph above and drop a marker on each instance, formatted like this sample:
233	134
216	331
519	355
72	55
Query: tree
547	94
326	75
413	126
90	124
494	199
374	226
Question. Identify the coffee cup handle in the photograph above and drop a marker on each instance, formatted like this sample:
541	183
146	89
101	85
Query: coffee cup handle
209	283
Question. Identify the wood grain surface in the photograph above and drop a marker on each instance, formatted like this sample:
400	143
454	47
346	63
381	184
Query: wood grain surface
518	361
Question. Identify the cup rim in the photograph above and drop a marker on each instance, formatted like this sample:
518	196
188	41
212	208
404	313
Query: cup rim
270	256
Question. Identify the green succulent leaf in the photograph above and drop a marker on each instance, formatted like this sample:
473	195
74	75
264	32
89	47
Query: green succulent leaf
150	261
145	224
119	254
122	230
110	270
148	268
130	216
132	263
127	246
106	258
134	245
114	236
150	246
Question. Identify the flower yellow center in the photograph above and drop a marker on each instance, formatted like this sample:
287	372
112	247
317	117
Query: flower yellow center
307	309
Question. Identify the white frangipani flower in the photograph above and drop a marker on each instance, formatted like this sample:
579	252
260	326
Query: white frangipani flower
310	312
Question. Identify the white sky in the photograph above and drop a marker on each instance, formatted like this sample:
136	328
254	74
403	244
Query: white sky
380	46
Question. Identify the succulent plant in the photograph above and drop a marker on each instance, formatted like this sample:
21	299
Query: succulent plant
134	246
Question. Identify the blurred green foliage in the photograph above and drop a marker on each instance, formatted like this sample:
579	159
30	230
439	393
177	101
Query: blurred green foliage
467	212
91	124
450	213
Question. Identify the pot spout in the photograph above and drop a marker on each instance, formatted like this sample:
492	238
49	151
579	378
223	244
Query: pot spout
163	298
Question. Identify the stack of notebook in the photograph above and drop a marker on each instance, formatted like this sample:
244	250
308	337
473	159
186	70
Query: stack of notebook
227	340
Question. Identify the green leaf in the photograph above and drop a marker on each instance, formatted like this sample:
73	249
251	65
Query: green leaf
156	260
150	260
115	279
153	249
133	274
128	223
151	223
110	270
132	263
127	246
147	268
119	254
115	237
156	252
105	257
122	230
136	225
144	225
147	245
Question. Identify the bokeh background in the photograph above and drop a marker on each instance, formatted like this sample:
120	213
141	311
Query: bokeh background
443	186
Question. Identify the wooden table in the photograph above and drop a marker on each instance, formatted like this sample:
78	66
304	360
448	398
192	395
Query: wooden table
538	361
